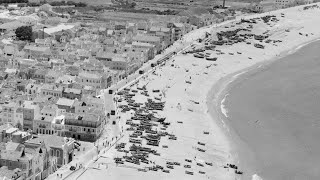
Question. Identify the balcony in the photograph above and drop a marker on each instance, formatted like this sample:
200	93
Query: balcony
58	128
72	130
82	124
42	126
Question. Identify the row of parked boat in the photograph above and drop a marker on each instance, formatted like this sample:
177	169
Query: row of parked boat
145	129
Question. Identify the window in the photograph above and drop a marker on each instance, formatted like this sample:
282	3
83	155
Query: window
58	153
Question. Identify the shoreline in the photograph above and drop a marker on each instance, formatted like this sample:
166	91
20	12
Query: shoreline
218	93
193	89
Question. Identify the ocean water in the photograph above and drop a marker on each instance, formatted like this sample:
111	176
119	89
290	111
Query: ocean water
275	111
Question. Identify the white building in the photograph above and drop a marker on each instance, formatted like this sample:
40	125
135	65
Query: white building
280	4
32	88
98	81
58	125
8	112
12	114
18	117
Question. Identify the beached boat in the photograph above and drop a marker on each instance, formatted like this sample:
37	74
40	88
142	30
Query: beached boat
150	137
199	164
153	143
259	46
197	55
211	58
157	119
200	143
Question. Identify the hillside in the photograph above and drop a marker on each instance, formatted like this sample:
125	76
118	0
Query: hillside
175	4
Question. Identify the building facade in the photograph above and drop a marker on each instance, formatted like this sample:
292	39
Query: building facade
85	127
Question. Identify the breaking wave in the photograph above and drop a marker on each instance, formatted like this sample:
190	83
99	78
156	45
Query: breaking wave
223	107
256	177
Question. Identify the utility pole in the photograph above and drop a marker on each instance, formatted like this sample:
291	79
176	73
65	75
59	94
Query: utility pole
224	3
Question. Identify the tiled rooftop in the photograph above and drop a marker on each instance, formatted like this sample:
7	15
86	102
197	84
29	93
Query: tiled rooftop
65	102
49	140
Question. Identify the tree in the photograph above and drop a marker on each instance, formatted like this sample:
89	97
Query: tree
19	126
24	33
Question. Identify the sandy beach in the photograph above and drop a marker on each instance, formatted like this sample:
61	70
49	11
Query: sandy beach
192	89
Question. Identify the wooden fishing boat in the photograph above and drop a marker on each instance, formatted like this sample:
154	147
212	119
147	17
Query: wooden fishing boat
211	58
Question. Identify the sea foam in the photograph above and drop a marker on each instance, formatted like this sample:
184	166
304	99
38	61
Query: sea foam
256	177
223	107
235	76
